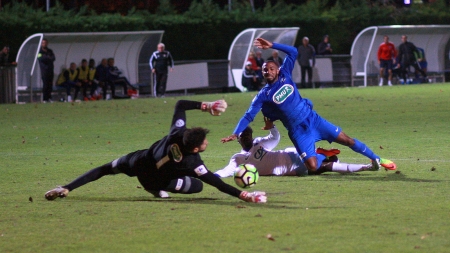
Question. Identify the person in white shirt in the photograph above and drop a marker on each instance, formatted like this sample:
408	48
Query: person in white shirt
259	152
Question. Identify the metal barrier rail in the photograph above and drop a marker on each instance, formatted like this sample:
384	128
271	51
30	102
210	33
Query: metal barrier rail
7	84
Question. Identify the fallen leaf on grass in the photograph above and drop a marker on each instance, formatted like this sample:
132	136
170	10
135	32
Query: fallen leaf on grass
258	215
381	147
139	187
397	172
269	236
239	206
433	169
30	199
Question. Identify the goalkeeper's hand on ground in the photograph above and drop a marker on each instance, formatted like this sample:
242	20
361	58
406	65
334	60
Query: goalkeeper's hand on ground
254	197
215	108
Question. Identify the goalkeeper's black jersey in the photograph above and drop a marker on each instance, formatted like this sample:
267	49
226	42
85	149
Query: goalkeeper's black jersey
168	159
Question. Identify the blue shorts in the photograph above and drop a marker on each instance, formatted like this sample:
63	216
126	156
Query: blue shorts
386	64
313	129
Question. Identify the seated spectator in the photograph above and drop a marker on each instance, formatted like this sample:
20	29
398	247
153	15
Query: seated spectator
92	78
250	78
4	57
101	75
114	77
86	84
259	62
68	79
324	47
275	57
422	61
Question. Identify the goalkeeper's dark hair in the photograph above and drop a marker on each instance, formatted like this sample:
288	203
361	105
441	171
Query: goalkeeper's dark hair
194	137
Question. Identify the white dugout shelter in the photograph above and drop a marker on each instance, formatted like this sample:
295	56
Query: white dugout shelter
243	44
131	51
434	39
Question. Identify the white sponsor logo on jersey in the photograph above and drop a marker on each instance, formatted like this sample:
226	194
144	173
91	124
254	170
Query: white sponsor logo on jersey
179	123
179	184
303	155
283	93
201	170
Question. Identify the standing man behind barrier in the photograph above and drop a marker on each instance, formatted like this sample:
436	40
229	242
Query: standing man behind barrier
46	58
407	58
307	60
4	56
386	59
159	62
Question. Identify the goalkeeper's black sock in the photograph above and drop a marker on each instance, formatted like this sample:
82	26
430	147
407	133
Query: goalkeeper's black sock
90	176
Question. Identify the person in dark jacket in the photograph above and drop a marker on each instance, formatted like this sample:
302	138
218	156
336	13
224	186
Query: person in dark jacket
160	61
4	57
307	60
114	77
250	78
324	47
407	58
101	75
46	58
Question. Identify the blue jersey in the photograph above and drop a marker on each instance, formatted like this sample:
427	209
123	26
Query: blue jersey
280	100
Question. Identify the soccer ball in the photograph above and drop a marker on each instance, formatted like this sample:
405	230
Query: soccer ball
246	176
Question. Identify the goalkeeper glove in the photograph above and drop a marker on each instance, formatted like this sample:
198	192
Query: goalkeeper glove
254	197
215	108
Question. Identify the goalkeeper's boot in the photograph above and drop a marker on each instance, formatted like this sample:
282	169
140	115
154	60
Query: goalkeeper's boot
58	192
388	164
328	152
159	194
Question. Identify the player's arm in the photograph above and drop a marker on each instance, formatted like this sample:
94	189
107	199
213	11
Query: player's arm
171	62
379	53
214	108
151	62
394	52
209	178
291	56
270	141
248	117
229	170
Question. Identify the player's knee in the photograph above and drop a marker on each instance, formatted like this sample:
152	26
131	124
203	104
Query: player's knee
311	164
196	186
185	185
345	140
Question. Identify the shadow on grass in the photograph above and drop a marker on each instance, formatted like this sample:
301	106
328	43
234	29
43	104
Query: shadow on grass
396	176
273	204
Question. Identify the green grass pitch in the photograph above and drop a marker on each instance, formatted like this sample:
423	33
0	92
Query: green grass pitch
45	145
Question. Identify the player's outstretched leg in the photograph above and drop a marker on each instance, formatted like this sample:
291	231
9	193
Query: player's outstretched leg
362	148
92	175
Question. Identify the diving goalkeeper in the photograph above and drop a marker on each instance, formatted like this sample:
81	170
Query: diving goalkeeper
172	164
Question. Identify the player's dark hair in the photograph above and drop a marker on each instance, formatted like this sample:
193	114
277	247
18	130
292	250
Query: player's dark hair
276	63
194	137
246	138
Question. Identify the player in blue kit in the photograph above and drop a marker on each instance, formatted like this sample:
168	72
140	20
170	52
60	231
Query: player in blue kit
280	100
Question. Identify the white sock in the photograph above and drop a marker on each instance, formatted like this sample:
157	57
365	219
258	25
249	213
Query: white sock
347	167
389	82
